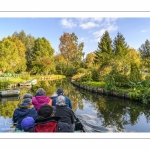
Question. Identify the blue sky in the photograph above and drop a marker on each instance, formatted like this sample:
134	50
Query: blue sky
88	30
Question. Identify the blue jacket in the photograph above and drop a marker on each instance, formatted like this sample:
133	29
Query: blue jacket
21	113
68	102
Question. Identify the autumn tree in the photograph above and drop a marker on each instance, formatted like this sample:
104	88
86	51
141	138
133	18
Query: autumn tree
43	56
89	60
9	56
21	53
28	41
70	49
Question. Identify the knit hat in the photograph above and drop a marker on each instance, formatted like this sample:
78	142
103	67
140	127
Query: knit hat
45	111
40	91
61	100
60	91
26	100
27	123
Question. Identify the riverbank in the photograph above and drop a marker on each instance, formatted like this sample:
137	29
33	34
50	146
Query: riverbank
102	90
13	82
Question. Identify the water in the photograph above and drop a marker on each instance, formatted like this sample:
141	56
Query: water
98	113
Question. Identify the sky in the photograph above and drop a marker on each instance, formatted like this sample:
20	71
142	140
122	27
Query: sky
88	30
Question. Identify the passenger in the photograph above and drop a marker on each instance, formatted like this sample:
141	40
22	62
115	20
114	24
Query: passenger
25	109
47	122
61	92
27	124
66	114
40	99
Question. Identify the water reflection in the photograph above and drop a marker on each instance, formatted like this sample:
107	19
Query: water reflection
98	113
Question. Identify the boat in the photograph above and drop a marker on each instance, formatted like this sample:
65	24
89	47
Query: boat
33	82
10	93
79	126
24	84
10	98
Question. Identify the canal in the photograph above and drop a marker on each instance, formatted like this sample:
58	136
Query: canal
98	113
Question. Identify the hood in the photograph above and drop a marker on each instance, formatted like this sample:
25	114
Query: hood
42	99
22	112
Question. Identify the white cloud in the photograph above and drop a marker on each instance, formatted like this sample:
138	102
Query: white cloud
68	23
83	39
143	31
88	25
101	32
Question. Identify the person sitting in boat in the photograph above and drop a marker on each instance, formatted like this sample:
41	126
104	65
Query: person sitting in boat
25	109
61	92
66	113
40	99
48	122
27	124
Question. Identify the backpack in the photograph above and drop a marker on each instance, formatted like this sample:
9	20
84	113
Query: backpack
46	127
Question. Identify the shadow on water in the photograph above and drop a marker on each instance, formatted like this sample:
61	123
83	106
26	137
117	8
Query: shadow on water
98	113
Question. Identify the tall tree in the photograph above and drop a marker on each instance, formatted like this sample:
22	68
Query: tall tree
9	56
145	49
120	47
104	51
70	49
42	56
21	52
145	55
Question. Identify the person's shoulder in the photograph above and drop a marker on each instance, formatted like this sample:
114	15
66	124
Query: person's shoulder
67	97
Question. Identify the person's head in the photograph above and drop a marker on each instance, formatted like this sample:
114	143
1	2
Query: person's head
40	92
60	91
26	101
27	123
61	100
45	111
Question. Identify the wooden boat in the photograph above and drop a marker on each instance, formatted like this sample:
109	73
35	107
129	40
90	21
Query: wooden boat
10	93
10	98
79	126
24	84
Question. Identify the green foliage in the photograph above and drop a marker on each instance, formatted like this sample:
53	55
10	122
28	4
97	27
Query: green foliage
25	76
110	83
104	51
95	75
43	57
135	94
120	47
145	95
135	73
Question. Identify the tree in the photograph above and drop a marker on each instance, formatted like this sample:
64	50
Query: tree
70	49
120	47
42	56
21	52
28	41
89	60
145	49
145	54
104	51
9	56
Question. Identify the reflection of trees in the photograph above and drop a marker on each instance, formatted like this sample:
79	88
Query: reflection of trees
7	108
48	86
116	112
111	111
52	86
